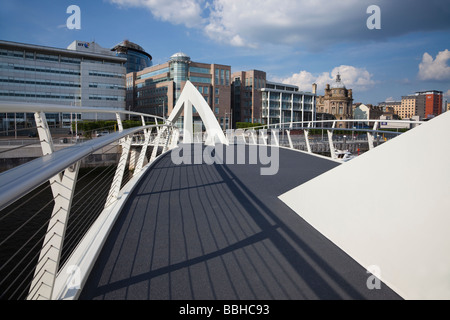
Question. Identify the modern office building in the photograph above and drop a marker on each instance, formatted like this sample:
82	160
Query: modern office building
337	101
257	100
284	103
84	74
156	89
137	58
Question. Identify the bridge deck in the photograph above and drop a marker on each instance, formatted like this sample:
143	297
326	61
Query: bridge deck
220	232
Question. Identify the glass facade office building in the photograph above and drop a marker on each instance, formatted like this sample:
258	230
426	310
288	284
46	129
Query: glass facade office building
156	89
84	74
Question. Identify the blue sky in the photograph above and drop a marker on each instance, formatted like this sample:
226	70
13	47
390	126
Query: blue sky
294	41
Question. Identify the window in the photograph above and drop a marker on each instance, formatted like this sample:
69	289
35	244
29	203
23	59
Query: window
216	92
200	79
216	100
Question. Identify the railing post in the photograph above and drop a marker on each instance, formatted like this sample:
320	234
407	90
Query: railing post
330	141
119	122
263	134
44	133
243	137
254	137
118	177
370	137
142	156
288	133
308	145
62	186
48	263
168	134
157	142
174	138
275	135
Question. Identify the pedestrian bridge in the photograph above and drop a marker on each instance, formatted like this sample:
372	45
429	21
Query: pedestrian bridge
232	215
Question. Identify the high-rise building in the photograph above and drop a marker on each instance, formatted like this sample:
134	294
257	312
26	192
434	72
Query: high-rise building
156	89
337	101
84	74
137	58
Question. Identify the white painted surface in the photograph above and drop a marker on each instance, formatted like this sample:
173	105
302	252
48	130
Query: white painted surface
390	207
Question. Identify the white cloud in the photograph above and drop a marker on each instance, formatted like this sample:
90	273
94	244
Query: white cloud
352	77
290	22
314	24
436	69
187	12
447	94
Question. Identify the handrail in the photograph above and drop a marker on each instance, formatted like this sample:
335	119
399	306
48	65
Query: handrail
60	168
286	124
19	181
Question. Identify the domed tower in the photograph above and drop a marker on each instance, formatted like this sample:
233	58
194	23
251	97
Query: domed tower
337	101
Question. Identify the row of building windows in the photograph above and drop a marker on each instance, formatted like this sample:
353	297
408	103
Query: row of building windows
146	102
153	73
45	57
46	83
32	69
108	98
106	86
200	79
96	73
38	95
200	70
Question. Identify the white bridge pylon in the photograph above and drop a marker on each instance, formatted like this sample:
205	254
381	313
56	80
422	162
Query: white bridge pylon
189	97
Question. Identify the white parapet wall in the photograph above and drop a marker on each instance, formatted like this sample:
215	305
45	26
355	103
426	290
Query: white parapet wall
389	209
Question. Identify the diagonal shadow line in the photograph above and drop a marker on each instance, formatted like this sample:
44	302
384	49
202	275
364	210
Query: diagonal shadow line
268	233
318	284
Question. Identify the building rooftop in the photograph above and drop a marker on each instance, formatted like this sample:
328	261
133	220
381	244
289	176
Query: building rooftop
180	56
76	48
126	45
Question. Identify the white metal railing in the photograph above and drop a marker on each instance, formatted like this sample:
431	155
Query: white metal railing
264	134
49	278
